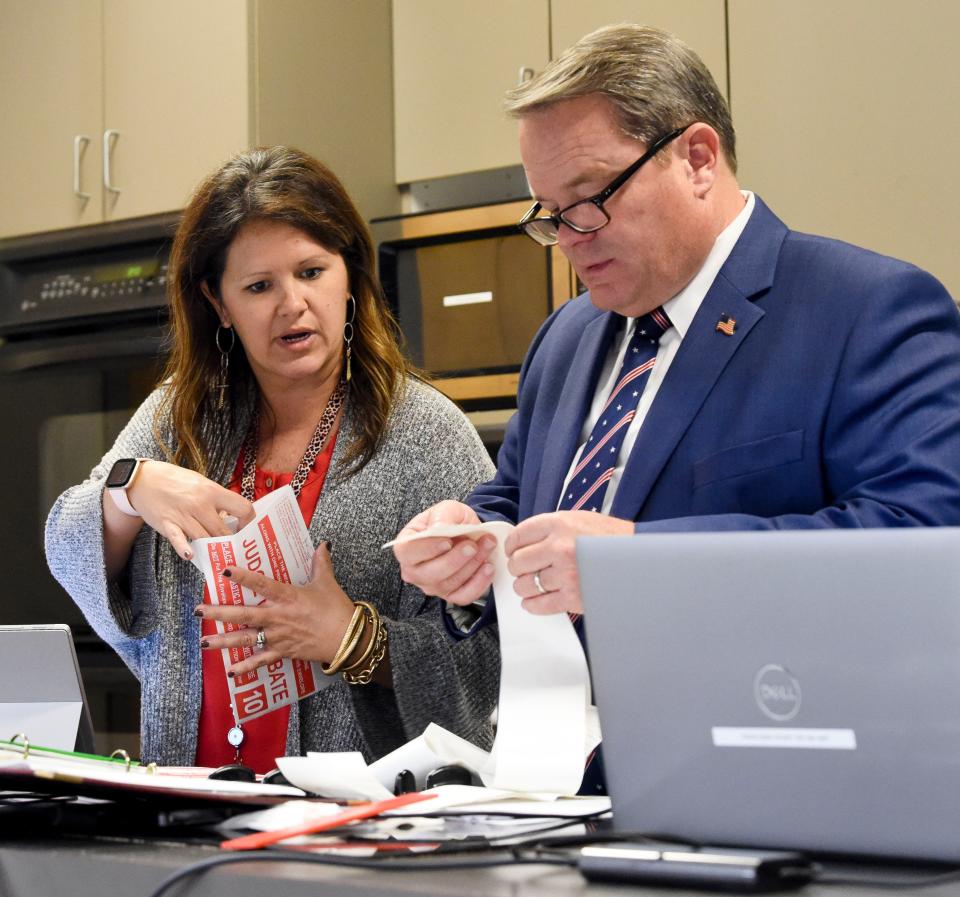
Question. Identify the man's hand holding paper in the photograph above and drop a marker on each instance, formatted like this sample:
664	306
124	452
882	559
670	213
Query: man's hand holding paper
456	564
541	554
452	566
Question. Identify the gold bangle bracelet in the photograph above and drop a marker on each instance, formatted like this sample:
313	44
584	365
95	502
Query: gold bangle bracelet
365	676
349	634
348	644
336	664
368	650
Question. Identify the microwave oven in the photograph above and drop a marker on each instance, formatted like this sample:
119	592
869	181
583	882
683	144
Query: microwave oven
469	291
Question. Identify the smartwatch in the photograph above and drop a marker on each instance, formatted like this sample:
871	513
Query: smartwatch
120	479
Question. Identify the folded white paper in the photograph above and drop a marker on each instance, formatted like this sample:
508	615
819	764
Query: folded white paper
276	543
344	776
339	776
435	747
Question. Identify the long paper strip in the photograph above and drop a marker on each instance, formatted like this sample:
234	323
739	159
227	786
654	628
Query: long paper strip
544	685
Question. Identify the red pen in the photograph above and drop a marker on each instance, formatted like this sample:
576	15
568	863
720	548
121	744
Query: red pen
364	811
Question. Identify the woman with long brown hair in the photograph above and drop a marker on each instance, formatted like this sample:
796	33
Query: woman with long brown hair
284	368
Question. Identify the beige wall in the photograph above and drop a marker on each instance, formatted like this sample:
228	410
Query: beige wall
847	122
324	76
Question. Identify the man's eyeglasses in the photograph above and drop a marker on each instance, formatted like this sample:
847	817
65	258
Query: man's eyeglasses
588	215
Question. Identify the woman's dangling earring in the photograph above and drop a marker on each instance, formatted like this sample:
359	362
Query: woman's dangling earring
348	332
224	381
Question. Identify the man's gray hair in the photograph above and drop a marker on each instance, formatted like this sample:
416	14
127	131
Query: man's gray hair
654	81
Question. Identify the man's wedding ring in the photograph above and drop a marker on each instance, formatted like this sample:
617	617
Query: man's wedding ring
538	584
261	642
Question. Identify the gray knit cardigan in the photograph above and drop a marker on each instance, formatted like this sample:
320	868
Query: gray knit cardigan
429	452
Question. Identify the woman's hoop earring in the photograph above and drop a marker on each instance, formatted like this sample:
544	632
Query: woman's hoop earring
224	381
348	332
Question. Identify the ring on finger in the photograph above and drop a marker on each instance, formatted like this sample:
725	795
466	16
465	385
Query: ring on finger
261	642
538	583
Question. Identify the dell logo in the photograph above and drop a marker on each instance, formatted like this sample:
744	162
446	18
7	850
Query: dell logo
776	692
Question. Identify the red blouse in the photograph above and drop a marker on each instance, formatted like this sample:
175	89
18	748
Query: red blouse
265	738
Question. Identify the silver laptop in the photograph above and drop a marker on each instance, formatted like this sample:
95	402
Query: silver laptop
41	689
781	689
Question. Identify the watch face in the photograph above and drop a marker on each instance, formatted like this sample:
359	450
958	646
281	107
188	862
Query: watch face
121	472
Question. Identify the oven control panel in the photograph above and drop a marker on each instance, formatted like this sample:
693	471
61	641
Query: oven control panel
54	286
45	293
106	283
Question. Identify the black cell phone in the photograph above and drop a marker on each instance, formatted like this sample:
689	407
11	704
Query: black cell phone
722	869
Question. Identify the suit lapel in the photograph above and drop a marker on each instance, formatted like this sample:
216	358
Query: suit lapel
572	408
702	357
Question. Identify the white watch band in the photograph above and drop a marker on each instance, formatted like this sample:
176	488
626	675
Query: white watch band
119	496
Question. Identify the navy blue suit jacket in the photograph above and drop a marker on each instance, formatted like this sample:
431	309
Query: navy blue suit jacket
835	403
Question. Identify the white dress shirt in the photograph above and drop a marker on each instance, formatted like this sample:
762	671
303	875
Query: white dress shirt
681	310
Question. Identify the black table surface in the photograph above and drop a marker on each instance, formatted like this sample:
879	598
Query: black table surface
91	866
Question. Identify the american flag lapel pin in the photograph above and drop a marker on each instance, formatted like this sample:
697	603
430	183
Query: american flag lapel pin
727	325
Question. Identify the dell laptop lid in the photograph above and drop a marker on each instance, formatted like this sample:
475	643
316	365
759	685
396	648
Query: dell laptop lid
781	689
41	690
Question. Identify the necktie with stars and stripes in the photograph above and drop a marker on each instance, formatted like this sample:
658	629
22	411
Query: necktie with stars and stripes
598	459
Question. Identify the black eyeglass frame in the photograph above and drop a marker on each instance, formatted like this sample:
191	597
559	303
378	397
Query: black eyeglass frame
597	199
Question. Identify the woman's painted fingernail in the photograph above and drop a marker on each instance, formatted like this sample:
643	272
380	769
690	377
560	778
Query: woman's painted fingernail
228	573
197	612
204	644
187	554
230	673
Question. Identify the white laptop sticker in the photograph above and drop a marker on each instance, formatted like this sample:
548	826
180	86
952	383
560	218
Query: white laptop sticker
775	737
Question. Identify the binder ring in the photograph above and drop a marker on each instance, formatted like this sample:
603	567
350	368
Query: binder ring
26	743
121	754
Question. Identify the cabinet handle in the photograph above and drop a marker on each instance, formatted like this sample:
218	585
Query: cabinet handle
525	74
108	138
80	142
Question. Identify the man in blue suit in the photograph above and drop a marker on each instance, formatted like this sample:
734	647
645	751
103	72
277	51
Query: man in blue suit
800	382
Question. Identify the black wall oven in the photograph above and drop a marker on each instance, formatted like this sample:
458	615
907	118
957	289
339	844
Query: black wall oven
82	336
